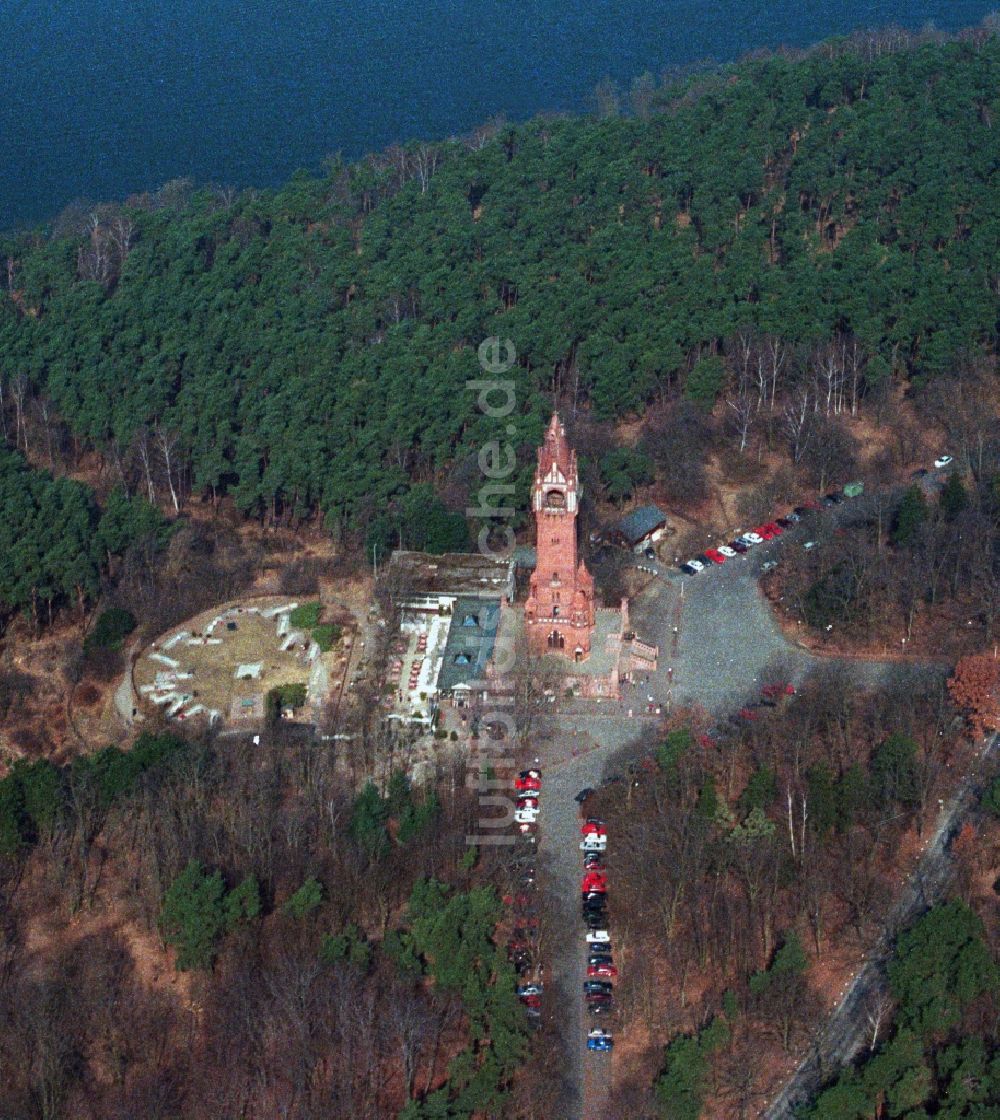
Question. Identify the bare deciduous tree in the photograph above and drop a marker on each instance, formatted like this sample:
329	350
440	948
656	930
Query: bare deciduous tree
166	442
797	422
741	417
878	1007
142	444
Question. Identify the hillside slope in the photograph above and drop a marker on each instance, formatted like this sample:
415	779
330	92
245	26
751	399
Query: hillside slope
309	349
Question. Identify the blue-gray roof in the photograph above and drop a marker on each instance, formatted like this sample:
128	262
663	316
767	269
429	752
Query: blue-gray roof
471	638
640	522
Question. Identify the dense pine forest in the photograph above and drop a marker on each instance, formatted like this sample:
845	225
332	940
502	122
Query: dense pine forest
306	351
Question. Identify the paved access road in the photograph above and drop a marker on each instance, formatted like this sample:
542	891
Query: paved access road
590	1072
726	645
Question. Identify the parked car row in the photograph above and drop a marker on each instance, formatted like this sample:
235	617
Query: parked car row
527	788
768	531
522	944
598	988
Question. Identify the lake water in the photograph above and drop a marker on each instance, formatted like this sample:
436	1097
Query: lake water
99	98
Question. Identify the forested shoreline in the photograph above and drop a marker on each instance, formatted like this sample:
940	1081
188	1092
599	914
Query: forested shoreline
750	275
306	351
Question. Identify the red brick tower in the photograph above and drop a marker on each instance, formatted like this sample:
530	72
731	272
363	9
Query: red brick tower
559	613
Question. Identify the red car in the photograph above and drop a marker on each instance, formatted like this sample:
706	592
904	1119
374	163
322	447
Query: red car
771	691
527	783
594	881
531	1001
599	970
593	828
765	532
776	529
715	556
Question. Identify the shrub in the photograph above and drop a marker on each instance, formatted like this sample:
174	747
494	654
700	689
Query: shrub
909	517
894	771
682	1086
760	791
31	800
305	616
368	818
114	772
326	635
417	817
991	799
673	748
285	696
306	899
953	497
832	598
44	797
242	904
12	830
111	629
348	946
623	470
34	794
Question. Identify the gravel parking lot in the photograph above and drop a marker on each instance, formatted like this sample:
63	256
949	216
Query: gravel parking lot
719	644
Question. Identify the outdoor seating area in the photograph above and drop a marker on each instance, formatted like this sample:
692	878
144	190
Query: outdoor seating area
416	662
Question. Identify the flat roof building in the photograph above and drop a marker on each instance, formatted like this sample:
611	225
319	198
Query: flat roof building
418	575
